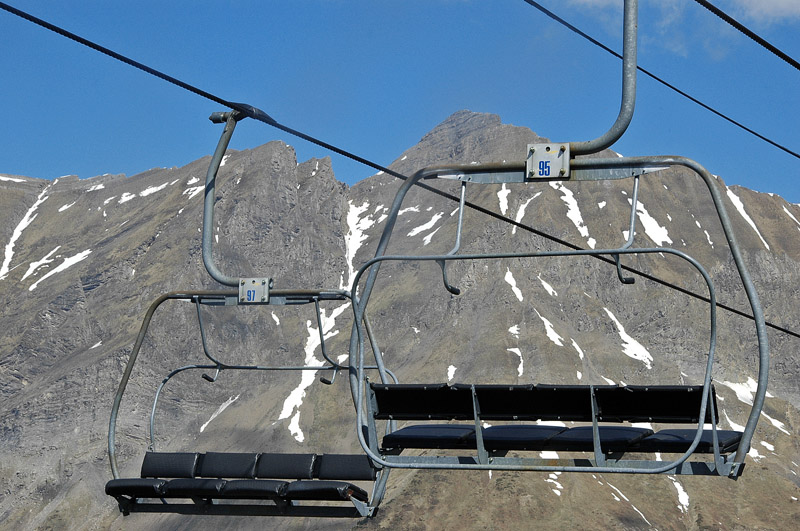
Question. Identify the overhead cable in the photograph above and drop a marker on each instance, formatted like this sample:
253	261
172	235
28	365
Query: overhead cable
261	116
743	29
594	41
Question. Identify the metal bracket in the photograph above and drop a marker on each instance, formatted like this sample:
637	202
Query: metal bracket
254	290
547	161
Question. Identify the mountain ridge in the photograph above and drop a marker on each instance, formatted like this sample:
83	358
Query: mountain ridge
67	336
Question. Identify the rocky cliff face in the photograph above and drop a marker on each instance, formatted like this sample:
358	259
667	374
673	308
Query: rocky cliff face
84	259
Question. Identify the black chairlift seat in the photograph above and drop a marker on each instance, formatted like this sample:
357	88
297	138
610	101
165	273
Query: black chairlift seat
211	480
527	403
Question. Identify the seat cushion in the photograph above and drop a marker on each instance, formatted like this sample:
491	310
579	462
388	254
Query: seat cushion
612	439
169	464
432	436
519	436
285	466
679	440
344	466
226	465
136	487
193	488
253	489
324	490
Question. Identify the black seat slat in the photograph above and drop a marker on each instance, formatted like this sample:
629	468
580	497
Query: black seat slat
324	490
344	466
519	436
612	439
515	402
253	489
136	487
442	436
169	464
193	487
679	440
285	466
662	403
423	401
226	465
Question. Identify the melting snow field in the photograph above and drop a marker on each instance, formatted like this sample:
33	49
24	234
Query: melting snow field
451	372
219	410
509	278
27	219
518	353
573	212
552	335
654	231
740	207
631	347
68	262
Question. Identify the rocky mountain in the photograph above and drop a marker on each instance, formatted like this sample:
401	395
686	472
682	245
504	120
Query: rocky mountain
83	260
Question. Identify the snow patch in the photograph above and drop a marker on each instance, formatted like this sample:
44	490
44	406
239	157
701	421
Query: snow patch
656	232
124	198
12	179
36	265
27	219
427	239
193	191
64	207
427	226
521	211
502	197
552	335
514	331
96	345
219	410
68	262
152	190
547	287
518	353
791	216
451	371
580	352
295	399
740	207
275	318
509	278
631	347
573	212
355	237
683	497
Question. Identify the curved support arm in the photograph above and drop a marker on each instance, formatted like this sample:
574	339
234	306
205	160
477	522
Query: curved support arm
208	204
629	32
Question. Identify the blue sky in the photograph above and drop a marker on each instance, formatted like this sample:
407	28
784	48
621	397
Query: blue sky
374	77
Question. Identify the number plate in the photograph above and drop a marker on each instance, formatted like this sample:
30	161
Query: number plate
547	161
254	290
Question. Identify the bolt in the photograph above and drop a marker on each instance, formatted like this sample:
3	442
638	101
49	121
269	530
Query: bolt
563	148
562	172
242	282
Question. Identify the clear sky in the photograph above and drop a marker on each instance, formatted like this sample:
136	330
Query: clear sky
373	77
